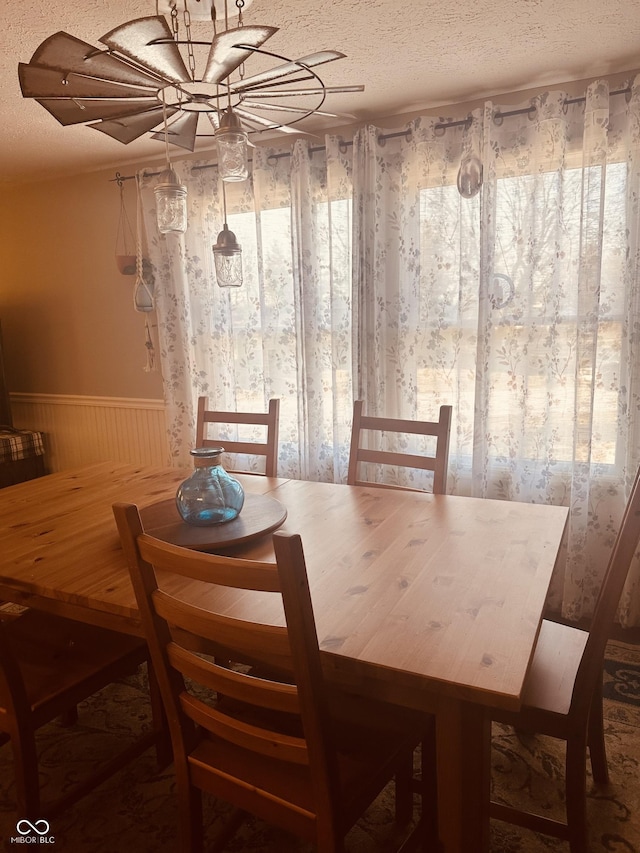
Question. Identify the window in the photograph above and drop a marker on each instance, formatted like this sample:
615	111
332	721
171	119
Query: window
537	338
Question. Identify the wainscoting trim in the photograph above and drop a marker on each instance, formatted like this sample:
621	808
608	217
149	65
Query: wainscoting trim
82	430
19	397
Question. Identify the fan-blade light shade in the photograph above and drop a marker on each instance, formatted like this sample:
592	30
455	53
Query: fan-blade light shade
293	67
149	42
67	54
181	132
41	82
225	56
78	111
150	65
126	128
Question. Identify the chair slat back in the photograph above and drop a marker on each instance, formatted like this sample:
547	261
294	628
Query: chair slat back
624	549
179	631
438	463
267	448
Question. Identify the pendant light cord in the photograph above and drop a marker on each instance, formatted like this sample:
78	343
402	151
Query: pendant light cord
166	129
224	202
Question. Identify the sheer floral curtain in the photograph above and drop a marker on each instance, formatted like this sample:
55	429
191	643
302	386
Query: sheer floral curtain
367	274
286	332
519	306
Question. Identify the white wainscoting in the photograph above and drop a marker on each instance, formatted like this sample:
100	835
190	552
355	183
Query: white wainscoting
82	430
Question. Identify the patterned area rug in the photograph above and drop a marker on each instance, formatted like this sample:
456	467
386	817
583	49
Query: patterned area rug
529	771
135	810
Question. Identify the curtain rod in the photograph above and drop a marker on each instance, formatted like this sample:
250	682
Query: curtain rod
442	126
383	137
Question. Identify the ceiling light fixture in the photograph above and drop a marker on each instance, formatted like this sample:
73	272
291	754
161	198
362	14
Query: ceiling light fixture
232	141
227	253
171	195
146	80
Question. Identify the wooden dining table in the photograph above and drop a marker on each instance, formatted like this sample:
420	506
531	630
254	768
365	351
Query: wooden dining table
431	602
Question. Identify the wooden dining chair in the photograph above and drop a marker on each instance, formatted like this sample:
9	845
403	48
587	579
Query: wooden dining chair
48	664
360	453
267	448
562	695
267	736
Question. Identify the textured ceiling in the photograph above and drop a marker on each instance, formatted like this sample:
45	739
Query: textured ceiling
418	55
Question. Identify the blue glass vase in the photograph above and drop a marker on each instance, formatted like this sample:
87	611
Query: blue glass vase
210	495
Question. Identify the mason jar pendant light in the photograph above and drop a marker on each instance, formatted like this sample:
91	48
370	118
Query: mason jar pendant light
227	253
232	142
171	195
171	203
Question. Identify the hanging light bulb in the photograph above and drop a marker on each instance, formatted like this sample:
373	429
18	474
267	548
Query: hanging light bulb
171	203
232	142
171	195
227	253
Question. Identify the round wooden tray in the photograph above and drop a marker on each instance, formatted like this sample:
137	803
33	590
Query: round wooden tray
260	515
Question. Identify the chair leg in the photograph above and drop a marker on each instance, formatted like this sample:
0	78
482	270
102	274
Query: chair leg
326	841
69	717
228	831
597	748
164	752
576	784
189	816
25	760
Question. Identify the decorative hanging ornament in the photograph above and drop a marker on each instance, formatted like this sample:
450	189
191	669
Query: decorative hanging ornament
125	240
143	296
143	292
469	178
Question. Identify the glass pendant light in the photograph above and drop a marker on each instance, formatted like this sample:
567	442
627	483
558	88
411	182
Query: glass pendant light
232	142
171	195
227	253
171	203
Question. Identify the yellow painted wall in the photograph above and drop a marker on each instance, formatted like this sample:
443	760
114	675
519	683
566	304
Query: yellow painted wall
67	314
